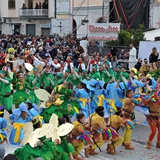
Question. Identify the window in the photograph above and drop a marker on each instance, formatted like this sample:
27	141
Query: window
11	4
30	4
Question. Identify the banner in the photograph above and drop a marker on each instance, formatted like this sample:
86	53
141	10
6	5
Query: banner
63	7
103	31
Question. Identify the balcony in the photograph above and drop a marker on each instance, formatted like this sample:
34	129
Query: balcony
33	13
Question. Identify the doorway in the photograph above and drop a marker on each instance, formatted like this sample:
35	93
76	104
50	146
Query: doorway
45	31
17	29
31	29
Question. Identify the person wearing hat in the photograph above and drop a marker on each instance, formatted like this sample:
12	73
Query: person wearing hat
47	78
19	117
124	73
34	81
3	126
109	78
118	73
98	125
20	94
94	74
77	132
83	93
85	75
5	92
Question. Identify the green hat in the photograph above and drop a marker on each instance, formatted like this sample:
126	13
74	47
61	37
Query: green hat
59	75
84	71
107	62
101	65
67	70
35	69
95	66
119	66
2	72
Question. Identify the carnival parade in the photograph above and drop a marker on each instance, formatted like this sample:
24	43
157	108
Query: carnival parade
57	110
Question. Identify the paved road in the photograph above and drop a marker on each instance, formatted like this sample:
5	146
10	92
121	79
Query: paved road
139	138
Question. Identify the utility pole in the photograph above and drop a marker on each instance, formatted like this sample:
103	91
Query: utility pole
55	9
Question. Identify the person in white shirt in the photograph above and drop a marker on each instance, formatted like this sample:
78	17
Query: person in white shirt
132	56
68	64
32	50
81	65
56	66
37	61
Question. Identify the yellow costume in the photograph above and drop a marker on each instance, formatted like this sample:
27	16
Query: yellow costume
127	112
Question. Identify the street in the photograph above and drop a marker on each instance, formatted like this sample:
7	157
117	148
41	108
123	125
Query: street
139	138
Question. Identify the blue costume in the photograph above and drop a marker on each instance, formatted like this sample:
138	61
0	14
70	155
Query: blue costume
17	132
3	125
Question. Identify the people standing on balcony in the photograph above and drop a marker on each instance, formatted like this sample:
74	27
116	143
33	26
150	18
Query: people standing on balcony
36	8
39	8
23	8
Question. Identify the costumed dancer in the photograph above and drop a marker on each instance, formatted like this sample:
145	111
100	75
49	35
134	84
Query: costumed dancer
20	95
34	111
3	126
98	126
5	92
128	114
83	94
19	117
115	122
47	78
80	137
98	97
34	82
153	103
52	106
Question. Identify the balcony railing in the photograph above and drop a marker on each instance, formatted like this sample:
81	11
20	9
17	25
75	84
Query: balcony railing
33	12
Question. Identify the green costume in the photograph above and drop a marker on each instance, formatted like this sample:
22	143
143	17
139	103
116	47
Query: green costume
47	112
5	92
34	83
94	75
48	151
47	79
125	75
20	95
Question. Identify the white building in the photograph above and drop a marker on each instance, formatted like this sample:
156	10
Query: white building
37	22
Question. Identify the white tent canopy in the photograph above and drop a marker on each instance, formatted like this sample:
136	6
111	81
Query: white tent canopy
150	35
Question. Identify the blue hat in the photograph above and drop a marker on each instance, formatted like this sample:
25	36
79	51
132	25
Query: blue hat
23	107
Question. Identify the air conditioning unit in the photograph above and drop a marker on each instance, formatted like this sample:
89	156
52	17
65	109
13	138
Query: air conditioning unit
3	20
8	21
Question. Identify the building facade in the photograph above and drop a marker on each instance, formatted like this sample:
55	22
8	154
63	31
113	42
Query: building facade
33	21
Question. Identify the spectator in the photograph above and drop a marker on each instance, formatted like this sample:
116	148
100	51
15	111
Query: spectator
138	64
2	152
39	7
36	8
122	55
113	51
41	53
154	55
158	63
145	61
132	56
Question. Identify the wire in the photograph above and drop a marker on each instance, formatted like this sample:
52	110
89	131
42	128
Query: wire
124	14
